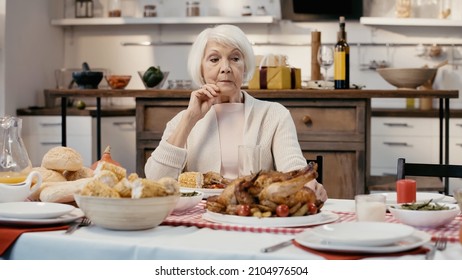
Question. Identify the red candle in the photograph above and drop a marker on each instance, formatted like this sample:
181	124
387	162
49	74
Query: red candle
406	190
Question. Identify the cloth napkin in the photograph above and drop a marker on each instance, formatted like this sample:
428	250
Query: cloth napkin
357	256
9	234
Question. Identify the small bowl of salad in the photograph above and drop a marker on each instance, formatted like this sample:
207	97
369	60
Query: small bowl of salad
188	200
424	214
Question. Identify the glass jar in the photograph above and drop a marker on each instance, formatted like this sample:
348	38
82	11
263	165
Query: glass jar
403	8
445	9
83	8
114	8
150	11
193	9
246	11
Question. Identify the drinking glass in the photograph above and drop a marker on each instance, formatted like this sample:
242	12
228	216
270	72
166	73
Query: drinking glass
370	207
325	59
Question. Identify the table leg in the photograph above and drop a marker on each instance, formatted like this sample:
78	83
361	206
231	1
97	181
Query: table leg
98	127
63	121
446	142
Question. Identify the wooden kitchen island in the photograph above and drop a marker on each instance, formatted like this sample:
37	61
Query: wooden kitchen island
331	123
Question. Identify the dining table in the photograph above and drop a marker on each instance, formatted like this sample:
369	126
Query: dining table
188	236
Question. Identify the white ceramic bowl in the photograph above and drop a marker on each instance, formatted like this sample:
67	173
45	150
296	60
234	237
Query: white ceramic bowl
407	78
189	201
424	218
126	213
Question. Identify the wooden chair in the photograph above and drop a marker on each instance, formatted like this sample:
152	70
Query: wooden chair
318	160
429	170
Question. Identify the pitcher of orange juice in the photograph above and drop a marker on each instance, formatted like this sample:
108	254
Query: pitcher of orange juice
15	164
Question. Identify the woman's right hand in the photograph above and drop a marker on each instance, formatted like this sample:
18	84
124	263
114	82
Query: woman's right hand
202	100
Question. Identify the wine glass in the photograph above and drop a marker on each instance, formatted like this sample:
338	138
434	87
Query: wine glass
325	59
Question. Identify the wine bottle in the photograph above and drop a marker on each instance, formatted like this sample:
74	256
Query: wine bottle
342	59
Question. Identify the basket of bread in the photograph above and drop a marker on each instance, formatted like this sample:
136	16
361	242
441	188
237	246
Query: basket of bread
107	195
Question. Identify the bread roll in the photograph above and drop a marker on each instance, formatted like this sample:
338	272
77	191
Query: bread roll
47	176
61	192
83	172
62	158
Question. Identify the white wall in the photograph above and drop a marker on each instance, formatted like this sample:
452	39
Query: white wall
31	49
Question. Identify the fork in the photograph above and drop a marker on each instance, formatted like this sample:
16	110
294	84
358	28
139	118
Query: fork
83	223
440	245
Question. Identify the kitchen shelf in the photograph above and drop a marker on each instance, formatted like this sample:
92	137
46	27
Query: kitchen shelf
160	20
389	21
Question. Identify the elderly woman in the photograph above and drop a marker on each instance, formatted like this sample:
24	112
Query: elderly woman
220	116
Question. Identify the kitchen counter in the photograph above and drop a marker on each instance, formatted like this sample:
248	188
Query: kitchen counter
71	111
130	111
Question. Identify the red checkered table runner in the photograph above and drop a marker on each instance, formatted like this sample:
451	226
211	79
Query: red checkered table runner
193	217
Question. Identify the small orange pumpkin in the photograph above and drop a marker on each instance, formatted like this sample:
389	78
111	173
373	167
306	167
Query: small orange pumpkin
105	157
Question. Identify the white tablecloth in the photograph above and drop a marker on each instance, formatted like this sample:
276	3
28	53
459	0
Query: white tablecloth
168	242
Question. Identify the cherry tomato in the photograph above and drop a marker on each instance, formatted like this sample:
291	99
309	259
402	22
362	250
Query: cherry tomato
243	210
312	208
282	210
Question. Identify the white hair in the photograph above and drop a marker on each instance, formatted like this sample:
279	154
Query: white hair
228	35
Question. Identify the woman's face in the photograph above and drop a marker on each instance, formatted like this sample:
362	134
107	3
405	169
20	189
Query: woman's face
224	66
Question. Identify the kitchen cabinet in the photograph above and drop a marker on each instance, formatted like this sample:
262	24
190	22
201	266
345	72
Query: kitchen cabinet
334	128
395	137
41	133
120	134
455	146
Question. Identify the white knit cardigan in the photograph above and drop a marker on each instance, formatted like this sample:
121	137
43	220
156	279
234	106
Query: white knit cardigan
268	124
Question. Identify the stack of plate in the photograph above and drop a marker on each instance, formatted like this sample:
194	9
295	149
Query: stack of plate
38	213
363	237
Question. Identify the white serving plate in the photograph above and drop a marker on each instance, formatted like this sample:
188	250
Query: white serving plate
34	210
363	233
310	220
417	239
391	197
72	216
207	192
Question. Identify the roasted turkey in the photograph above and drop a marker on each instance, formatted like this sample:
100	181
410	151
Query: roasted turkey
265	191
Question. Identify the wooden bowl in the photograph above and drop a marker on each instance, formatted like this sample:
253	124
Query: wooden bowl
407	78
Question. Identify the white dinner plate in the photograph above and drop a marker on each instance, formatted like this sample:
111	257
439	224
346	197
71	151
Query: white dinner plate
34	210
363	233
417	239
420	197
310	220
207	192
67	218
